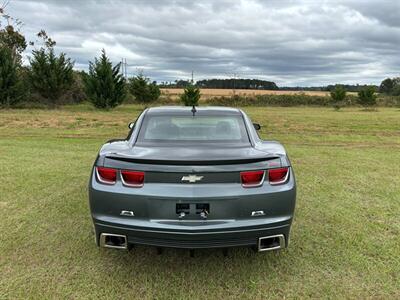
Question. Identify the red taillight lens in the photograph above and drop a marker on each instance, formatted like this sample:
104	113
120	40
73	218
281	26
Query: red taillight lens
278	176
132	178
106	175
252	178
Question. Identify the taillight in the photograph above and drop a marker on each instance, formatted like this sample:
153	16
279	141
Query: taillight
106	175
278	176
252	178
132	178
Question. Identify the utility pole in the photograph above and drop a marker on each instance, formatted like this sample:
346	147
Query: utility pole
234	83
232	77
126	69
192	77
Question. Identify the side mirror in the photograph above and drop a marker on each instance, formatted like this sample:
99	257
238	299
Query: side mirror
257	126
131	125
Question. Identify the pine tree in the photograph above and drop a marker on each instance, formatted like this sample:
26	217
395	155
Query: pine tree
11	89
50	75
143	90
104	84
191	95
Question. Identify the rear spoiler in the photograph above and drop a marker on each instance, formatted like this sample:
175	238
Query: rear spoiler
191	162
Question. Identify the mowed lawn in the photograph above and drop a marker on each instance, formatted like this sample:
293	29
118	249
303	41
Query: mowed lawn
345	240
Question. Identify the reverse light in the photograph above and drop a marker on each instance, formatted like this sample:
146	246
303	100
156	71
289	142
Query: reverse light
278	176
106	175
252	178
132	178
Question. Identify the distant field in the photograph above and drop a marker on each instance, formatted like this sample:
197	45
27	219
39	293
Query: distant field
345	241
207	93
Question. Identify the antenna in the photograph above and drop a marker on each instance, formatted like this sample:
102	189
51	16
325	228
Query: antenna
193	110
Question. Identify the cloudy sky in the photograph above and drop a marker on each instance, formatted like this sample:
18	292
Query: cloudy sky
290	42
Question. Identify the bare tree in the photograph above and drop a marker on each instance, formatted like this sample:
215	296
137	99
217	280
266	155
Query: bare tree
10	34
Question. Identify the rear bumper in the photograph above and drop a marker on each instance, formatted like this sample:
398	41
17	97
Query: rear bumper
154	220
225	234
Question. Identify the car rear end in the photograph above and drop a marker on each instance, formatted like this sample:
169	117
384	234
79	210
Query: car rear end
200	195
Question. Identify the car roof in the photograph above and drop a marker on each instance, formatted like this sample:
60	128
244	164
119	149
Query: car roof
203	110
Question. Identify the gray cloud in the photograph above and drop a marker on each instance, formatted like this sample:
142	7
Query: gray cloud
289	42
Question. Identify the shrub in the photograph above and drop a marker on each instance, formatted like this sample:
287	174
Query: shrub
270	100
338	94
143	91
76	93
104	85
11	86
387	100
396	90
367	96
386	86
50	75
191	95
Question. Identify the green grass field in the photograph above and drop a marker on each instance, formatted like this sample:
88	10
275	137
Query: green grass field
345	240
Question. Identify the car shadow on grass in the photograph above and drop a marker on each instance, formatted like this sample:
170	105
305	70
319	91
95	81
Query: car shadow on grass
242	267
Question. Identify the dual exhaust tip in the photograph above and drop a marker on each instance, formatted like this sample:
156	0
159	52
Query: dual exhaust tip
115	241
270	243
266	243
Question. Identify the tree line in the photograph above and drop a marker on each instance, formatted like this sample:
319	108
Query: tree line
237	83
354	88
232	83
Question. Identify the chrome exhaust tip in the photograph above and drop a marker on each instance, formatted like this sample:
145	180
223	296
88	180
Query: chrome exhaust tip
269	243
115	241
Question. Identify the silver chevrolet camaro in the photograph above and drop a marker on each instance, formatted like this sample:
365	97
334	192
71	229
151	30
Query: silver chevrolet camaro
192	177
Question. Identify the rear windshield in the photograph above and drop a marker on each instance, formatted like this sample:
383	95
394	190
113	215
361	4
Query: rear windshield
172	129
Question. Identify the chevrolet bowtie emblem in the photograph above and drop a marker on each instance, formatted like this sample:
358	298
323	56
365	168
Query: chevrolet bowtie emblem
192	178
